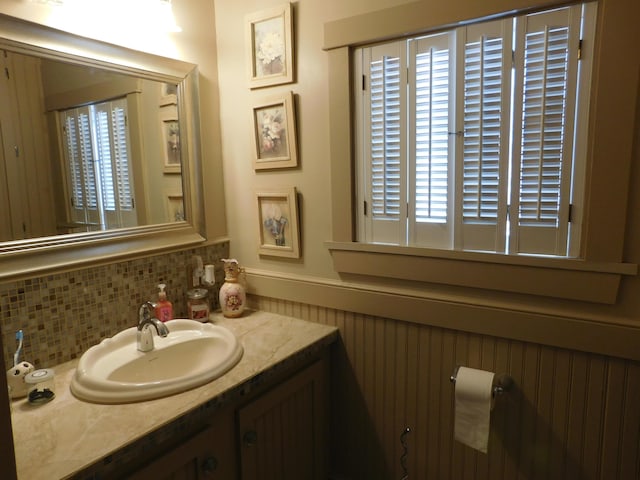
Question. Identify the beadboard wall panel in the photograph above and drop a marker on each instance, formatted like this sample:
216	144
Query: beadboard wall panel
571	415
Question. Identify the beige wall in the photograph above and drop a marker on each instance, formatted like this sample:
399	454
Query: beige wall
560	322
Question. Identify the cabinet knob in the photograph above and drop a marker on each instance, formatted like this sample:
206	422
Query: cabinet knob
209	464
250	438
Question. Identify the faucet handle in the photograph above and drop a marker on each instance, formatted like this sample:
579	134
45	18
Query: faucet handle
144	313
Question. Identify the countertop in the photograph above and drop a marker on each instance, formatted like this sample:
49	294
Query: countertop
61	438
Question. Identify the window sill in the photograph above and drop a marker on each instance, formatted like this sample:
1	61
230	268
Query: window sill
571	279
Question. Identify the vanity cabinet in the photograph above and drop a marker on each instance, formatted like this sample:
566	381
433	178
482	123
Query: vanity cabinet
275	432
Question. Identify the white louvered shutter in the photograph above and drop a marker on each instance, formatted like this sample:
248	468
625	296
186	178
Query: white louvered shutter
431	168
99	172
74	170
81	174
483	122
546	80
115	168
476	152
384	143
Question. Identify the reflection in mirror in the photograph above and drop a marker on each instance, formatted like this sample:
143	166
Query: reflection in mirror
85	149
99	152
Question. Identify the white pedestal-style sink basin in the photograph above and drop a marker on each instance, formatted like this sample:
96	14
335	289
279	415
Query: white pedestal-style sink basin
193	353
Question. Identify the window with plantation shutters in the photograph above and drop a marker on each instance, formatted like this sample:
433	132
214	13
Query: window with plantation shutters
466	137
99	174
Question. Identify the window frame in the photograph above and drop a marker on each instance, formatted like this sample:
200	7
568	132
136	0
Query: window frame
597	274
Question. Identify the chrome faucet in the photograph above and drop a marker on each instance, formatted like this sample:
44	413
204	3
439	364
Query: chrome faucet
145	321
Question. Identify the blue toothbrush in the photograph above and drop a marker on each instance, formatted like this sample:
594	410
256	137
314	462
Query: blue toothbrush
16	356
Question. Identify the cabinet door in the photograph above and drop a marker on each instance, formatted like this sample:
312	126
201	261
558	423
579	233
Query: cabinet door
208	455
282	432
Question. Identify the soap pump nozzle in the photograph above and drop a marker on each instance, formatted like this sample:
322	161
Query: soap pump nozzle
162	295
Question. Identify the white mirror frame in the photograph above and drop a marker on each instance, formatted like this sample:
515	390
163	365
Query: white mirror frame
26	258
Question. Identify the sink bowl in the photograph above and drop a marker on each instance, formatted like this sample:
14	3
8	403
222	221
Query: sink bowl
193	353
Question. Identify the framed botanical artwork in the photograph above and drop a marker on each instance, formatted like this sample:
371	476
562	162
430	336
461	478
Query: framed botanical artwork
270	46
175	208
170	129
278	223
168	94
274	129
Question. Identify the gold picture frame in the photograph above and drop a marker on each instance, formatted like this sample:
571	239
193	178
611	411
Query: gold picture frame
170	130
275	135
270	46
279	233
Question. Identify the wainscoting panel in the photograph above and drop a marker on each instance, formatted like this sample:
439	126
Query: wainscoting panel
572	415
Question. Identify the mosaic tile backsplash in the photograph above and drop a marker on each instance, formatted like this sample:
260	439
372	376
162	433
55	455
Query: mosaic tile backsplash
62	315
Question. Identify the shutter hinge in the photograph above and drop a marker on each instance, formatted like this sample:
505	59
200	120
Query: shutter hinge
570	216
406	211
513	57
133	203
580	49
6	72
365	207
16	150
364	83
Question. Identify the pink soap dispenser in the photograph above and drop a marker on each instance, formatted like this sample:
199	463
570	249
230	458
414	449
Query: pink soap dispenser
164	309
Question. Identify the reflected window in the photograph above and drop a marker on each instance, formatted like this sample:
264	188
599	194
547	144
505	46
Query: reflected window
97	166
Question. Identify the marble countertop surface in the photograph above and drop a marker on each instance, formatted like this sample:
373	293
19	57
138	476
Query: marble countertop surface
60	438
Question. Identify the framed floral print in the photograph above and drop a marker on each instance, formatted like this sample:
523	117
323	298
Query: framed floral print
274	128
170	129
278	223
270	46
168	94
175	208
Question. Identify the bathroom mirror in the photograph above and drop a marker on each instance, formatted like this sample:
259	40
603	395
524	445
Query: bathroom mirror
100	151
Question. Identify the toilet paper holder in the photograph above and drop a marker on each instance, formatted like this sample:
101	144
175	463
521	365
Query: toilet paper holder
501	383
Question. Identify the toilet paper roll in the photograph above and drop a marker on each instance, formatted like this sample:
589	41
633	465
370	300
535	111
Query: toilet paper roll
473	389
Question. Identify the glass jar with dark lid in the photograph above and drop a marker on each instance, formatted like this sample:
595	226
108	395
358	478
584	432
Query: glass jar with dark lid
198	304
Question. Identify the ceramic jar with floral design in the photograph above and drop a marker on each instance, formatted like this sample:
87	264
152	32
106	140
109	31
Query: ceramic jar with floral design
233	296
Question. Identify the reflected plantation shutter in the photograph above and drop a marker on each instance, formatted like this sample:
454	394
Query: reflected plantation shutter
115	168
100	179
74	172
81	174
546	82
123	165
